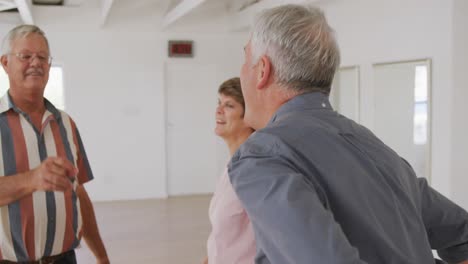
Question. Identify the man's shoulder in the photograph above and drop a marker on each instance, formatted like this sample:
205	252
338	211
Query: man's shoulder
57	112
301	119
64	116
64	119
261	143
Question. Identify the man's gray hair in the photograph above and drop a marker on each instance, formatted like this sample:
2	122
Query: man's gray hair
300	44
21	31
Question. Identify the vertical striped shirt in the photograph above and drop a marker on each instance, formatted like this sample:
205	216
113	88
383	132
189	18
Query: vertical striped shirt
43	223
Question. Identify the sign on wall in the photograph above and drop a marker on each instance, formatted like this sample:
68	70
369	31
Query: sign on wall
180	48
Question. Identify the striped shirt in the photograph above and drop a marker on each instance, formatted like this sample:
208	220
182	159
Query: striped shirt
42	223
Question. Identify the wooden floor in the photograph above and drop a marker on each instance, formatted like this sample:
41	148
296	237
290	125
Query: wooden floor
165	231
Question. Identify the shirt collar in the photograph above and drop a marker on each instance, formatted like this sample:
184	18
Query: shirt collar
6	103
312	100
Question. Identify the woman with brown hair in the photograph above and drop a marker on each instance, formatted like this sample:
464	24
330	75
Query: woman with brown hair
232	238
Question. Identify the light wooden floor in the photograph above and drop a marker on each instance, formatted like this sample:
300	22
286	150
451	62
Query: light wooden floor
165	231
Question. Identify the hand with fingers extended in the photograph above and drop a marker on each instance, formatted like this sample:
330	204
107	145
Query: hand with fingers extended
54	174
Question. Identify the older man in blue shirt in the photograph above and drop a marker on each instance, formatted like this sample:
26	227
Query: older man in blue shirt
318	187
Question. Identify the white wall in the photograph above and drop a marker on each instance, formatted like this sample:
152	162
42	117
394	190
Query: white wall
384	31
114	83
460	106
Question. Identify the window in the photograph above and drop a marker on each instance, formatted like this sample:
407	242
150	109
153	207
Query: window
54	89
420	105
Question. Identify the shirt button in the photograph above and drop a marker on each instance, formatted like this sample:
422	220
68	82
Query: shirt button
324	105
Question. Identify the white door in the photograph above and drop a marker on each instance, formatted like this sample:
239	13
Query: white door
191	145
344	95
402	111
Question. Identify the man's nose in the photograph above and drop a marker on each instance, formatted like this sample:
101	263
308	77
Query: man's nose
35	61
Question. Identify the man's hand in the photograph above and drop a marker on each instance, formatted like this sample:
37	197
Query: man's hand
54	174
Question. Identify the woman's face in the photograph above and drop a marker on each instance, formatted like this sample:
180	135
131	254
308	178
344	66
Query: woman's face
229	117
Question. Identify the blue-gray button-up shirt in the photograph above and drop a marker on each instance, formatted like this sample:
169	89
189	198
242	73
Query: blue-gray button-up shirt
322	189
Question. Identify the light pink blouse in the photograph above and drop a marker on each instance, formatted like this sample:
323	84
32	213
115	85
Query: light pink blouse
232	238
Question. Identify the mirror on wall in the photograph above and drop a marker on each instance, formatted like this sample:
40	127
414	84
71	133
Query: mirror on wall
344	95
402	110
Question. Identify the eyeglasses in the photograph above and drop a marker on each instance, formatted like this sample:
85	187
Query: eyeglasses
29	57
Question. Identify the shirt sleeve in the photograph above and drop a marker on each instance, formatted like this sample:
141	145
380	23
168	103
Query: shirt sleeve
446	224
84	169
290	222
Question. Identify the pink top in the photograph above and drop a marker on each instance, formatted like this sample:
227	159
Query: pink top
232	238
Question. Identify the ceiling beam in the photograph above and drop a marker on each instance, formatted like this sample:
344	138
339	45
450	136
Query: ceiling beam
180	10
5	2
24	8
238	5
5	8
170	4
6	5
105	10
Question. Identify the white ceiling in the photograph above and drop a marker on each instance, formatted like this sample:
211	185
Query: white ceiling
238	11
173	10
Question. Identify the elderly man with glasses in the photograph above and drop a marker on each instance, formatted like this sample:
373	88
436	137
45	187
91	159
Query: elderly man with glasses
44	208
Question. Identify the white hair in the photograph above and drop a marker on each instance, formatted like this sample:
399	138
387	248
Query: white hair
300	44
21	31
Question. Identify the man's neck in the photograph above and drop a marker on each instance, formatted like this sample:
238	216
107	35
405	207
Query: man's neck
30	103
276	98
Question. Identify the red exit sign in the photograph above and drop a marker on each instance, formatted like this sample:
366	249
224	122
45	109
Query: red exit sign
179	48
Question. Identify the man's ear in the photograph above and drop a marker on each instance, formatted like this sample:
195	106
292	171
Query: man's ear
4	61
264	71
